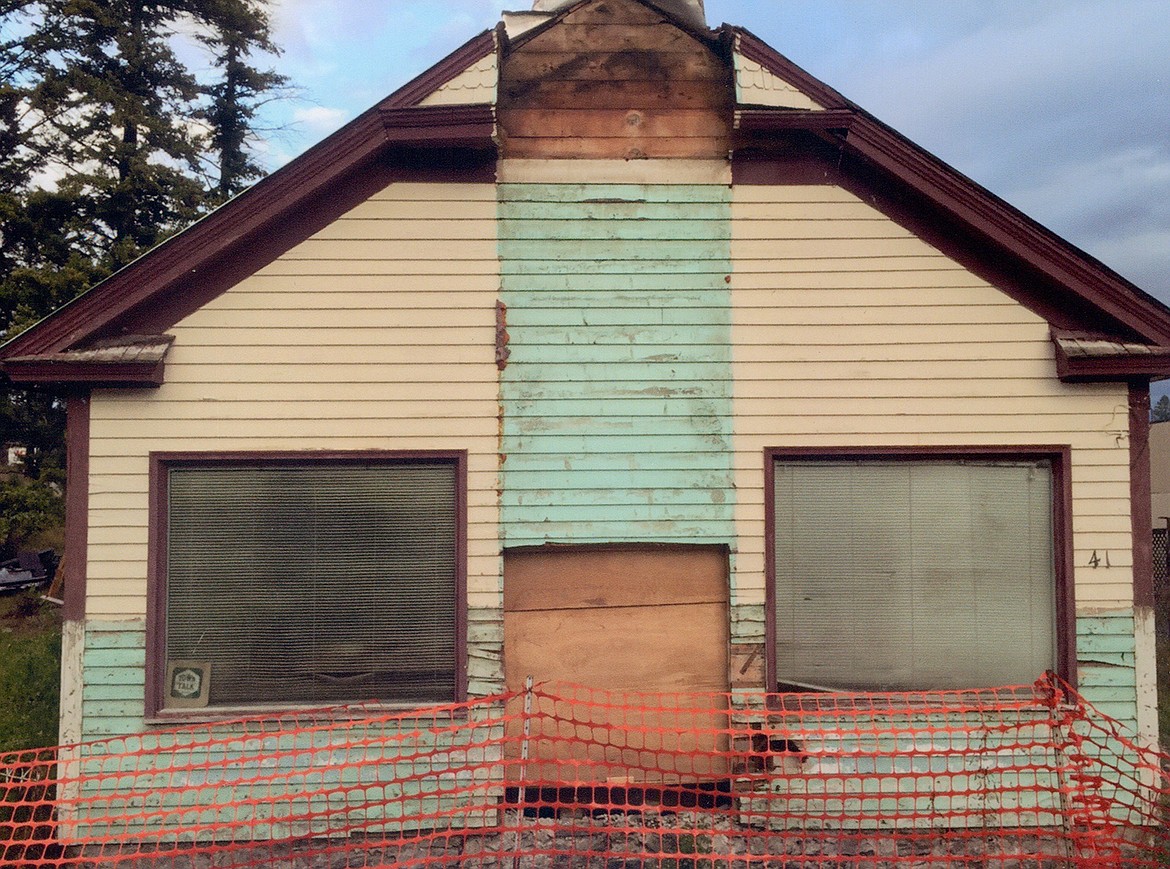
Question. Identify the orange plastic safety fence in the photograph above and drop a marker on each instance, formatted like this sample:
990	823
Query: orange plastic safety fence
570	776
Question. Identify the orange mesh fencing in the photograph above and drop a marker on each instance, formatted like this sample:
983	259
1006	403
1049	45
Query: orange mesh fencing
569	776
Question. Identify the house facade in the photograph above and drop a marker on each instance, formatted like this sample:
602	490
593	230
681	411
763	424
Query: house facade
614	350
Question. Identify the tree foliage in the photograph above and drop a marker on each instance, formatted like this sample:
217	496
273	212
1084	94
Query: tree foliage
1161	411
121	121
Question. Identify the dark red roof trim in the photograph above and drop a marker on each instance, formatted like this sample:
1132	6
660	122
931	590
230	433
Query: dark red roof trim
44	371
475	49
447	126
1083	358
769	120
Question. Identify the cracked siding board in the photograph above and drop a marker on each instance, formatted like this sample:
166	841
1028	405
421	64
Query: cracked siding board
274	368
932	384
1108	674
616	395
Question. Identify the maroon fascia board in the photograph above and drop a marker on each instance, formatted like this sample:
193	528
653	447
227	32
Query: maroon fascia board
443	126
1087	369
42	372
156	632
1060	455
777	119
475	49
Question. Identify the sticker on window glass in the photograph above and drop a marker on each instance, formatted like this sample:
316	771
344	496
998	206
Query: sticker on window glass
188	684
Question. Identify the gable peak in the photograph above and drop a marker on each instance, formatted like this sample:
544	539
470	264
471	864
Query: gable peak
687	11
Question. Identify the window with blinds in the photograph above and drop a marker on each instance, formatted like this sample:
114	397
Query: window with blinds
913	574
320	582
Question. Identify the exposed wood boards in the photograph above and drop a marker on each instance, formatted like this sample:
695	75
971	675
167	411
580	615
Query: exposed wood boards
712	172
605	577
616	123
608	82
541	62
681	647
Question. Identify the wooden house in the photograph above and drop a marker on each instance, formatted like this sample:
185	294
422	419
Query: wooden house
611	349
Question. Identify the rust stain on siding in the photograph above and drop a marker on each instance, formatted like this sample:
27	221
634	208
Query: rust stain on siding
502	338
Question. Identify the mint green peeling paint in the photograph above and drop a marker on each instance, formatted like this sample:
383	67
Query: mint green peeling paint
617	394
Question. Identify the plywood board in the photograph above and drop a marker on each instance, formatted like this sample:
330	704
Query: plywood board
625	621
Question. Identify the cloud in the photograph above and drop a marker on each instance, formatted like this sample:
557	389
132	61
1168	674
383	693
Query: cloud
320	119
1058	106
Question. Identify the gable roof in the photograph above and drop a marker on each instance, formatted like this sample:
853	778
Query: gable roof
399	138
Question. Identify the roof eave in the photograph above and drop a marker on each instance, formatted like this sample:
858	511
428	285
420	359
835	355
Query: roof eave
54	375
361	142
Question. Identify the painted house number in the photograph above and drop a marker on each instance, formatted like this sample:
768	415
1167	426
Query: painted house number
1096	561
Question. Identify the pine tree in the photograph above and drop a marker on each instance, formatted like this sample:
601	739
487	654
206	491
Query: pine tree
108	144
1161	411
238	29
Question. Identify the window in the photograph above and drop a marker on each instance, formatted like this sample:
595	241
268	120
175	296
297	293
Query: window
913	572
308	581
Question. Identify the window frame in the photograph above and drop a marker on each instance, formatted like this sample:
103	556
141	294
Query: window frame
161	464
1059	457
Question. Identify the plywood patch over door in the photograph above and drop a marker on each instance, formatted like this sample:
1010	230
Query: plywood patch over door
627	620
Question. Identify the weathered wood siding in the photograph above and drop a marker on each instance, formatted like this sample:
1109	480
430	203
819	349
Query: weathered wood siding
376	333
850	331
616	394
614	80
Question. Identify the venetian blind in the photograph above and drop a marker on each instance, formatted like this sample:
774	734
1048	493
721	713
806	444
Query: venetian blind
913	574
317	583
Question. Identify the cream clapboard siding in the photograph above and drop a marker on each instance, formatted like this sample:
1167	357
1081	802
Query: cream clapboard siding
849	331
376	333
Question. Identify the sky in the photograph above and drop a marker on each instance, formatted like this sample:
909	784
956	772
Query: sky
1061	107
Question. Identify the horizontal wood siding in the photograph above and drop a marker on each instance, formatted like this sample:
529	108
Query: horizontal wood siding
614	80
616	394
391	350
849	331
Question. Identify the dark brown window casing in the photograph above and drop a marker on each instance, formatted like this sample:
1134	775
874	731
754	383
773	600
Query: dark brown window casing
323	509
1055	457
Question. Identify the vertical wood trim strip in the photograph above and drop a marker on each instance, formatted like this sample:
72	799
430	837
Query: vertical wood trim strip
156	636
770	569
461	617
1139	493
76	505
1063	565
